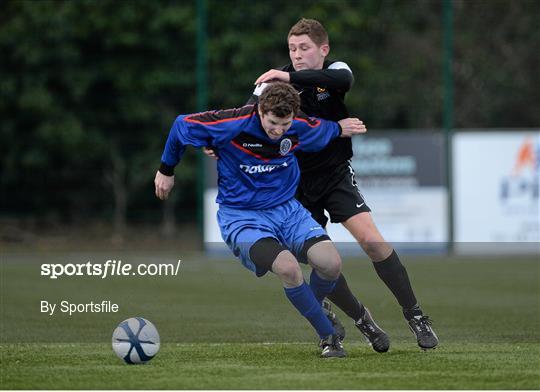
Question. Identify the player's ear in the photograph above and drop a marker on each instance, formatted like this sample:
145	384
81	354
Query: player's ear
325	49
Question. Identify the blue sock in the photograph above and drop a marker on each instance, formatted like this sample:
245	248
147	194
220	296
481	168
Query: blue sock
320	287
303	299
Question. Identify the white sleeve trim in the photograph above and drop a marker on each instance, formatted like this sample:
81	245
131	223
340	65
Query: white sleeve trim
259	89
339	65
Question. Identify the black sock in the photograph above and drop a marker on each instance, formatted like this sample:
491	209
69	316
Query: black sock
411	312
345	300
394	275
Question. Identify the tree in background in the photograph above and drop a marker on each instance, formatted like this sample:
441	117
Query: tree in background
89	89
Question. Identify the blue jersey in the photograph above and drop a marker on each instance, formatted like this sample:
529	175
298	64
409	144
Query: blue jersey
254	171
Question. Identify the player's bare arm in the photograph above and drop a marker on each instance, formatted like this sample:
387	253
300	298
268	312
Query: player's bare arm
273	75
163	184
351	126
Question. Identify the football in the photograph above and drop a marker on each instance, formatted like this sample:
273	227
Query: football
135	340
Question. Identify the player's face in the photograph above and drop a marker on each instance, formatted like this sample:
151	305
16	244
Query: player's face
305	54
275	126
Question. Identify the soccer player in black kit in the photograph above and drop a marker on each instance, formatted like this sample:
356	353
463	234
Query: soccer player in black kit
328	183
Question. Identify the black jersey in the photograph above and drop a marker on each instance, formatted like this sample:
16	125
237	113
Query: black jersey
322	94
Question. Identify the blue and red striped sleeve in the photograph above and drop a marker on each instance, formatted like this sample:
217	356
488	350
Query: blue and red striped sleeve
211	128
315	133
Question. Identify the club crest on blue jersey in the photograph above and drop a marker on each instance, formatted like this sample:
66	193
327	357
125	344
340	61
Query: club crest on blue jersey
285	146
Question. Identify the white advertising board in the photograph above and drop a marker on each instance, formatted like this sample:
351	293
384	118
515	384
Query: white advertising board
401	176
404	216
496	186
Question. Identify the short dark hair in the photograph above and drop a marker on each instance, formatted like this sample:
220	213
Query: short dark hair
280	98
312	28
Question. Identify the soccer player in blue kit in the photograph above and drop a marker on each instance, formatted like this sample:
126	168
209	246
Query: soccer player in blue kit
259	218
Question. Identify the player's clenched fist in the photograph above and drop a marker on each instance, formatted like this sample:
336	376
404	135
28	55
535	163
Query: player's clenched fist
351	126
163	185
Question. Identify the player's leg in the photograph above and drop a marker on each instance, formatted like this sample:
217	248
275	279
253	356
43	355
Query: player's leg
324	259
319	254
269	254
312	201
307	239
325	262
309	242
347	205
384	258
317	194
393	273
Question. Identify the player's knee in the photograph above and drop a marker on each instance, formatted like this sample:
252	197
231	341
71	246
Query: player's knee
366	237
370	247
332	268
362	227
376	250
324	257
371	241
288	270
268	254
264	252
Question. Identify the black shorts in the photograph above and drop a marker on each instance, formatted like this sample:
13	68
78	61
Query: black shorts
335	191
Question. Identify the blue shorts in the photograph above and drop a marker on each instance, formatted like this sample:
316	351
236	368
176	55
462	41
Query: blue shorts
289	223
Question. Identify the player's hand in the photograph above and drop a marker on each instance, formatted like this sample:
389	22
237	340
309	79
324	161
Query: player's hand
351	126
208	151
273	74
163	184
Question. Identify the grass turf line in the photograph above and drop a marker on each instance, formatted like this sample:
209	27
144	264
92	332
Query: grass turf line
486	311
272	366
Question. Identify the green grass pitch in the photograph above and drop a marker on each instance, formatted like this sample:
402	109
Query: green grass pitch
222	328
